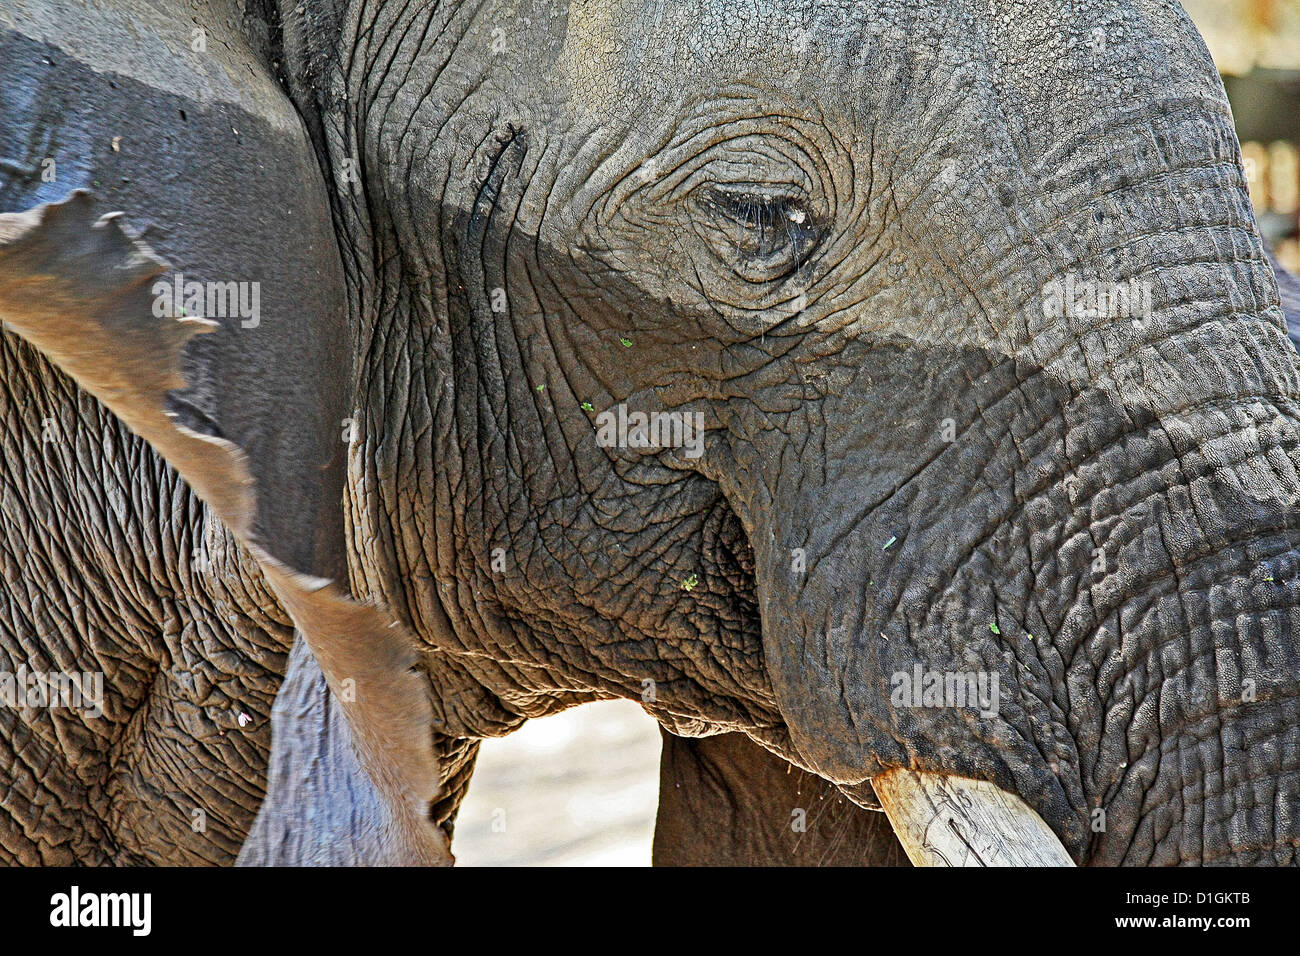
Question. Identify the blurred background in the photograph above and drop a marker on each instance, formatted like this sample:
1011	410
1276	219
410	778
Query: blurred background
576	789
580	788
1256	44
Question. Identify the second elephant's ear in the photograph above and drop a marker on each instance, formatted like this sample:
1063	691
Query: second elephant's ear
220	223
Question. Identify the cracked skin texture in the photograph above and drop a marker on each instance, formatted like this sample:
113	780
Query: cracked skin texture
112	564
99	558
1168	449
104	545
621	185
262	451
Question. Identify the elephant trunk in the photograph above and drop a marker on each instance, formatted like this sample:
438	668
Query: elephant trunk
1061	562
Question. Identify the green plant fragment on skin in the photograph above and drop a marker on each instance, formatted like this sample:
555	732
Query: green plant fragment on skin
994	629
588	407
627	343
689	583
889	542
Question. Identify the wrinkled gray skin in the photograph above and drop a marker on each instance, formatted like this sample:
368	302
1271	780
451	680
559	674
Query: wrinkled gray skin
827	228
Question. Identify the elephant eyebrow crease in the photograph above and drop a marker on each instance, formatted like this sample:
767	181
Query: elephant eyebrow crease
486	197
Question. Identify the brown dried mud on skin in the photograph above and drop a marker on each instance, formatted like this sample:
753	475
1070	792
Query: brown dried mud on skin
79	289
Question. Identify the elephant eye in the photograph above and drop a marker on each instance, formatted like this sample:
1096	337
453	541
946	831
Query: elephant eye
764	234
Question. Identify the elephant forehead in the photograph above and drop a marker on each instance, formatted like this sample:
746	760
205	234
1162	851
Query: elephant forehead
616	51
1052	58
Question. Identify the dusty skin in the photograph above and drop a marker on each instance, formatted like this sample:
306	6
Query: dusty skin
985	365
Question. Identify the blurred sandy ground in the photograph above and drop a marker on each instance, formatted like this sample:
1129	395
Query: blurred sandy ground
576	789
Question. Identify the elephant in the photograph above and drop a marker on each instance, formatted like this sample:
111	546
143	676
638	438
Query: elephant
895	399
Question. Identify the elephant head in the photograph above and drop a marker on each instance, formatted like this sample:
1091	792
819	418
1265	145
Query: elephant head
904	386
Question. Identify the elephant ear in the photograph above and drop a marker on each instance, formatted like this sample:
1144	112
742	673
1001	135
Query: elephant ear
174	125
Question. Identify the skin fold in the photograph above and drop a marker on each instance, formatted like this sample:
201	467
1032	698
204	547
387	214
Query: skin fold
725	802
828	230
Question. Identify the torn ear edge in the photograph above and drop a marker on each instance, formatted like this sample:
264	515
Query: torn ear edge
78	288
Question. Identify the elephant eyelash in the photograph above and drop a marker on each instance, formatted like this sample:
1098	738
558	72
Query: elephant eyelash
764	234
758	212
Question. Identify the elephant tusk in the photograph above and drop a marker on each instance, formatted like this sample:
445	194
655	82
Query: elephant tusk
956	821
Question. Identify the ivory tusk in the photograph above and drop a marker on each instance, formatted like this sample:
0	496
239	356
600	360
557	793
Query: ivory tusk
956	821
